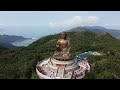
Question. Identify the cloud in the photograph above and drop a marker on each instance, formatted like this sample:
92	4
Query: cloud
112	25
115	24
26	24
2	26
75	21
106	24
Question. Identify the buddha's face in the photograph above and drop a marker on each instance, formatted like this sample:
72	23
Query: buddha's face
63	35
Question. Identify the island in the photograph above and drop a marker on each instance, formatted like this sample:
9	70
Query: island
7	40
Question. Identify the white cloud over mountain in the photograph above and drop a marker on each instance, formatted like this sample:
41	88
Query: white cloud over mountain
75	21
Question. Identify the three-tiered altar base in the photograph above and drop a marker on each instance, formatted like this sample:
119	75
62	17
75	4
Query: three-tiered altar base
55	69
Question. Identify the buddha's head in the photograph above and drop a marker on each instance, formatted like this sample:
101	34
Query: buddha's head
63	35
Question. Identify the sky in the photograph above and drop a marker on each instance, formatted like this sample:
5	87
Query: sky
53	20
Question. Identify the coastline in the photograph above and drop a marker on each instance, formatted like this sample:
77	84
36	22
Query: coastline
24	42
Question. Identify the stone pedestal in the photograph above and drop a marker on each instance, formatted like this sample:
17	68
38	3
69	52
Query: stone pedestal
53	69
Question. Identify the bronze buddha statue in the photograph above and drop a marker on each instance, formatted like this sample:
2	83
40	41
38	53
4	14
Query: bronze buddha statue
63	48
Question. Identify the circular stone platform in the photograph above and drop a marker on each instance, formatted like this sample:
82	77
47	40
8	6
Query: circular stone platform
53	69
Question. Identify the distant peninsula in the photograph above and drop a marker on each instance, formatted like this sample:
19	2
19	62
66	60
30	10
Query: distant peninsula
7	40
11	38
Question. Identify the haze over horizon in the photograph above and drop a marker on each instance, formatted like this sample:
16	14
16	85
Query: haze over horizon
35	24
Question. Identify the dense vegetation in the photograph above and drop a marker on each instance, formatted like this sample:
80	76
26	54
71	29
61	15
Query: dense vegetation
20	63
2	49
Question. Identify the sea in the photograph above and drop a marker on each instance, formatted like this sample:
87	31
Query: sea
33	32
24	43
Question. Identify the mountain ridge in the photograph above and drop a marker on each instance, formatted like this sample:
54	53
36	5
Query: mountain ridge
97	29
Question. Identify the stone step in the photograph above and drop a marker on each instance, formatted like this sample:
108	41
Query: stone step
60	71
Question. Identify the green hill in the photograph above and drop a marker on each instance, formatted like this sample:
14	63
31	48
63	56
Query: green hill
97	29
7	45
20	63
2	48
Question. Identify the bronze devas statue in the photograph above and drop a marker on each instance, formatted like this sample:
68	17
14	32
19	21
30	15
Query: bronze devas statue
63	48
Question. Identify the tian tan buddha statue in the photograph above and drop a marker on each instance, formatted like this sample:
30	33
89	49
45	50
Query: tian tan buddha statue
63	48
